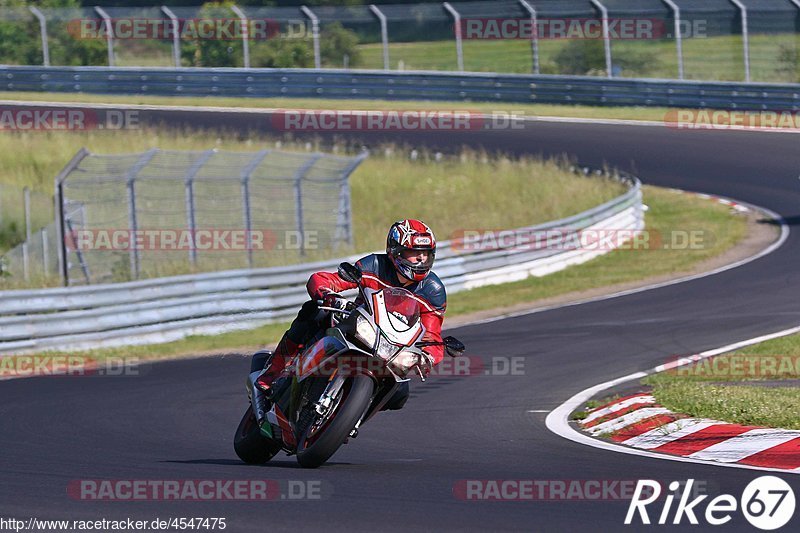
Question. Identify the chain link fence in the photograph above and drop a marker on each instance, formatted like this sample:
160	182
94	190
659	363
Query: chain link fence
24	214
159	213
735	40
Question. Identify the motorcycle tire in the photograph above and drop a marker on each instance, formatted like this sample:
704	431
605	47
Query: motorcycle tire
314	449
251	446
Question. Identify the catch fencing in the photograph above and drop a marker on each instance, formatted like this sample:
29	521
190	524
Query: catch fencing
157	213
729	40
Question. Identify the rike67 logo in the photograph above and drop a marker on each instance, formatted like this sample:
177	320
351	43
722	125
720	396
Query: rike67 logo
767	503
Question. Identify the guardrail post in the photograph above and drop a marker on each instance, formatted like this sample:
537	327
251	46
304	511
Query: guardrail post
678	37
176	38
534	34
189	190
109	33
606	36
745	38
314	34
58	201
43	30
248	220
130	181
384	34
245	34
298	198
26	202
457	24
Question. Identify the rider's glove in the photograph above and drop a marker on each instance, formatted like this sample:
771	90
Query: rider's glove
426	364
334	299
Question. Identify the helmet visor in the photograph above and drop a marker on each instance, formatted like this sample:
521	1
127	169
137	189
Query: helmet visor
417	260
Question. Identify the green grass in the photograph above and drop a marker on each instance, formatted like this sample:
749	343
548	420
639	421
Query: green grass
667	210
702	389
751	405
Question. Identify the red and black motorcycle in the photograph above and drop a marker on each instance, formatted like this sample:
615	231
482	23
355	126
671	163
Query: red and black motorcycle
340	381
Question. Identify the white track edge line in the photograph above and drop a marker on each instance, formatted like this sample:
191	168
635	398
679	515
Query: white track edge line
557	420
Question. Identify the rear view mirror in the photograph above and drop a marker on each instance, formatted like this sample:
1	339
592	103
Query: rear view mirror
454	347
349	273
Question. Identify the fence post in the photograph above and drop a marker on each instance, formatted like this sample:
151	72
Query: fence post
26	202
131	192
298	198
45	251
176	40
248	220
345	213
606	36
109	33
58	200
534	34
384	34
745	38
314	34
25	262
457	24
245	34
43	30
678	37
189	189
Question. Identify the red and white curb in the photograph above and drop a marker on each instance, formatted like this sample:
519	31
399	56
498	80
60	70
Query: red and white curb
668	429
639	422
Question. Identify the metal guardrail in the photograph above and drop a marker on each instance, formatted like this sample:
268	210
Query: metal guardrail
163	309
409	85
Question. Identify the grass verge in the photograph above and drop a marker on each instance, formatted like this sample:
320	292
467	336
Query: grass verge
744	387
668	210
574	111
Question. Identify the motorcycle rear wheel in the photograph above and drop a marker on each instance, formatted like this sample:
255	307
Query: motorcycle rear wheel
322	438
251	446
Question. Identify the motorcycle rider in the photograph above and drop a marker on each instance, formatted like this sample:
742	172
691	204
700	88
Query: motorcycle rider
410	252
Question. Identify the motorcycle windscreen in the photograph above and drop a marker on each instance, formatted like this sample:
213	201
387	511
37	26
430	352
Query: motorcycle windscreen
402	308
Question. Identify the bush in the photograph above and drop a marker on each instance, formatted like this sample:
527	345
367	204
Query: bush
587	57
335	43
282	53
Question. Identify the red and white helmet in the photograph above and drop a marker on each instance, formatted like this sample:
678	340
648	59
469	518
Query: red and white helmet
411	234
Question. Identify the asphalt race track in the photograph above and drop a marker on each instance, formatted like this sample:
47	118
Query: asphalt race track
176	420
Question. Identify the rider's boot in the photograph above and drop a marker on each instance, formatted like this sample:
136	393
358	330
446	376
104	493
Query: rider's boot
272	381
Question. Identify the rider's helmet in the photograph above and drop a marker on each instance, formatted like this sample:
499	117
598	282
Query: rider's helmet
406	235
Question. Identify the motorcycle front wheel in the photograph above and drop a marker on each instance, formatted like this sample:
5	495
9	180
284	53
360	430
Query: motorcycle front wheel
323	437
251	446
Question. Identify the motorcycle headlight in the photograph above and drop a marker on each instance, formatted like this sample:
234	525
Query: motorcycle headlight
365	331
385	348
